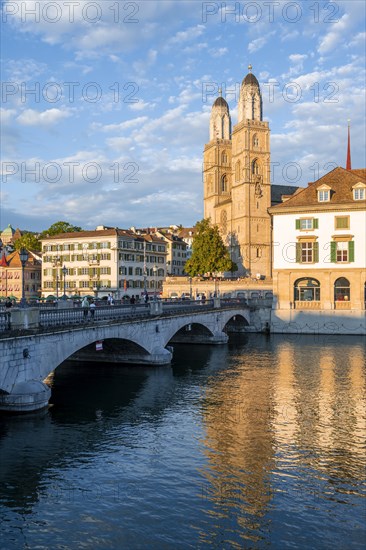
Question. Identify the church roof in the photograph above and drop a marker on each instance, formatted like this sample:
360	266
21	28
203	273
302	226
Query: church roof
250	79
220	102
8	231
277	192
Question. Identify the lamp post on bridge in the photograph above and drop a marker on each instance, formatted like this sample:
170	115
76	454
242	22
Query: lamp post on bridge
23	255
64	271
155	271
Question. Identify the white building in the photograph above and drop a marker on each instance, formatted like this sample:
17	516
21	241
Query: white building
319	256
101	262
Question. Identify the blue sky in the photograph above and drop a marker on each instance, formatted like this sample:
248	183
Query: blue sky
106	105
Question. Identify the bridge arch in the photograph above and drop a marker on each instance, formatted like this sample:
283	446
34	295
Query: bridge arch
236	323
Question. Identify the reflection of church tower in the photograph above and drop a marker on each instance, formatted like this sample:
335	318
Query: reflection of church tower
238	193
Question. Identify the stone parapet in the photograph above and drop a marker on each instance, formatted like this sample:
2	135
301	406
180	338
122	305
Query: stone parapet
26	318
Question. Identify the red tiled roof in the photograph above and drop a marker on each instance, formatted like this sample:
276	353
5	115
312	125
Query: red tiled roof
339	180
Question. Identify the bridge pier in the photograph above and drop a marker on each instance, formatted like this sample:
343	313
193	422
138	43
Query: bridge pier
159	356
191	338
28	396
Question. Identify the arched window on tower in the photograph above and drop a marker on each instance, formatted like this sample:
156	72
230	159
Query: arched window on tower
253	106
237	171
223	157
224	183
255	141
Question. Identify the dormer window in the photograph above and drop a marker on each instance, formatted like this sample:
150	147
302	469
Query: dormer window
323	196
324	193
359	192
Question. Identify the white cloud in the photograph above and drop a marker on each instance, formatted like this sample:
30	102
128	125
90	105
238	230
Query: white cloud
6	115
335	36
218	52
30	117
188	35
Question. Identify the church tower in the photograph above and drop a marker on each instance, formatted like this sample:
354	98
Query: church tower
241	210
217	176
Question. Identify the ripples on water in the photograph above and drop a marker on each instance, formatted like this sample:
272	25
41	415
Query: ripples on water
257	444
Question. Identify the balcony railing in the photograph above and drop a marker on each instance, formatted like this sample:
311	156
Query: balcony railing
307	304
346	304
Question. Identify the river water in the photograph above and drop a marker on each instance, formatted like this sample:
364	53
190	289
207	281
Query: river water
257	444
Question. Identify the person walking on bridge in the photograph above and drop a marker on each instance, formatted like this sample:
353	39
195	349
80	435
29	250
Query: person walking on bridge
85	307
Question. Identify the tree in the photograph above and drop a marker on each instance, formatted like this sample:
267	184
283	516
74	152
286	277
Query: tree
210	254
28	241
59	227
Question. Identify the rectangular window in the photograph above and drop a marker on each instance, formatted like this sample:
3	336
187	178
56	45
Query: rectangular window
323	196
306	224
306	253
359	194
342	252
342	222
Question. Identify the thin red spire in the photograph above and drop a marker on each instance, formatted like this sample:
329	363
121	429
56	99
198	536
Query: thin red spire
348	163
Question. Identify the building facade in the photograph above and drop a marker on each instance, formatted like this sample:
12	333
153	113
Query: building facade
176	255
11	276
101	262
319	249
236	175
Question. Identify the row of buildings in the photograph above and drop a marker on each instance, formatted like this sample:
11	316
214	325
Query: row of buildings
96	263
309	242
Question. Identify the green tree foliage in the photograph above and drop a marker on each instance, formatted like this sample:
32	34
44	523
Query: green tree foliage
28	241
210	254
57	228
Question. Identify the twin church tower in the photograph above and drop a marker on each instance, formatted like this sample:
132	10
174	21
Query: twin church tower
236	175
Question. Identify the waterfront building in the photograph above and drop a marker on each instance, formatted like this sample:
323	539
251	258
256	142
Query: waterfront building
176	251
101	262
187	234
236	176
11	276
319	250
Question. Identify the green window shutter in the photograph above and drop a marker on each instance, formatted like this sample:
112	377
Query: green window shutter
316	252
351	251
298	253
297	224
315	223
333	252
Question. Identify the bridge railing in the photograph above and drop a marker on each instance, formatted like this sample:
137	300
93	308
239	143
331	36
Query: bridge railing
76	316
56	317
4	320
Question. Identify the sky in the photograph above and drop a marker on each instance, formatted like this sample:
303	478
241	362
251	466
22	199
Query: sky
106	104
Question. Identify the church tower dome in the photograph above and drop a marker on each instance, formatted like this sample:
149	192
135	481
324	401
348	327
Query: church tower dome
220	121
250	100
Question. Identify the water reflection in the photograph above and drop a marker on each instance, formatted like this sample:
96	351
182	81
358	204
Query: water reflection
257	443
284	431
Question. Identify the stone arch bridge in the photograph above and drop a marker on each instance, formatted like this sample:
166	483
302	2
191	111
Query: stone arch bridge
29	356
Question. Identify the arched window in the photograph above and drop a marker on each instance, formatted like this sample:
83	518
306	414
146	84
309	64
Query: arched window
255	141
224	183
306	290
255	167
223	157
342	289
